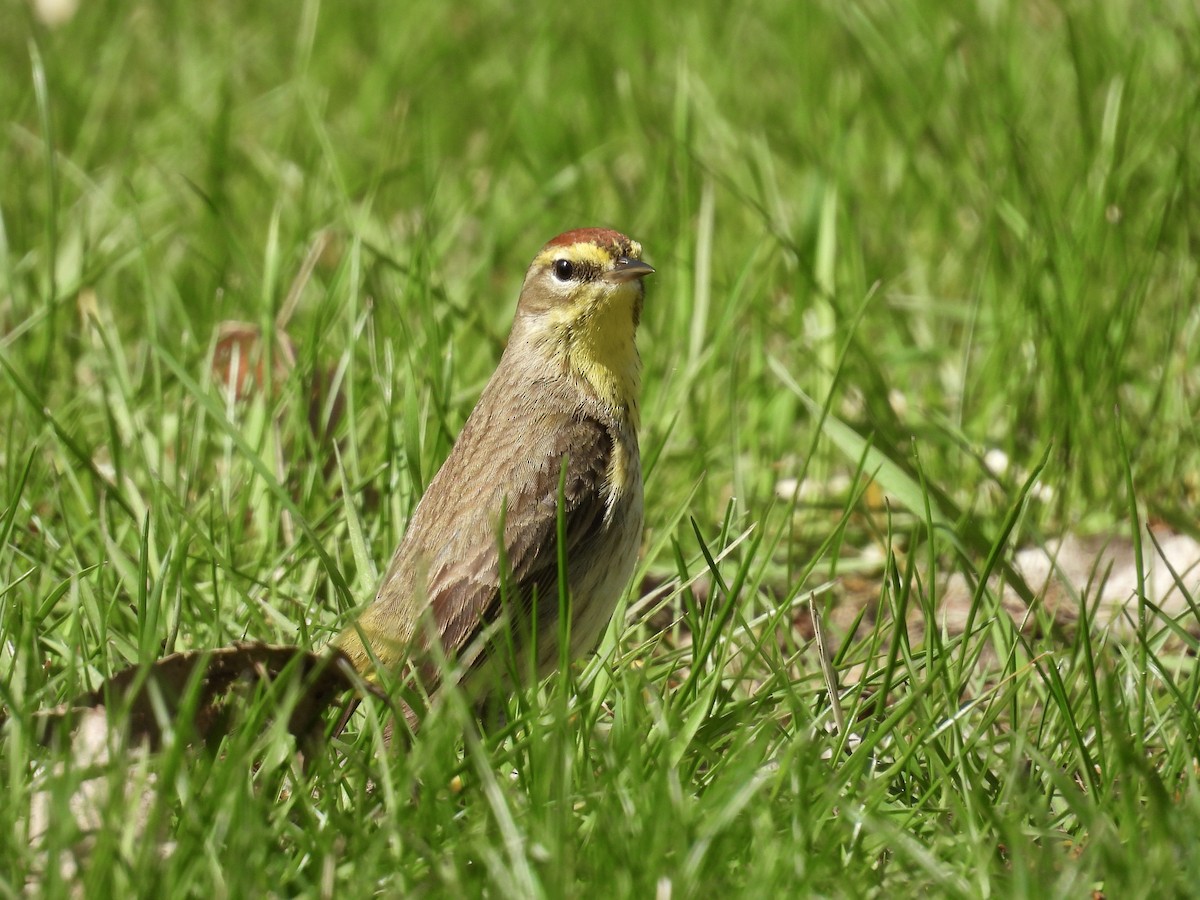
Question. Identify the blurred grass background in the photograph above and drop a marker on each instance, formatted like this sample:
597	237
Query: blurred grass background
960	230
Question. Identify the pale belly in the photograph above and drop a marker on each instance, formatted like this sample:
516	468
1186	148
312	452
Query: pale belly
603	582
597	581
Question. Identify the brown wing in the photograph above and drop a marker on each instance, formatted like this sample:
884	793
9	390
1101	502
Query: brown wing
464	590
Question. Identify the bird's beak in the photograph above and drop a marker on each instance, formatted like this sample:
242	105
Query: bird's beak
627	269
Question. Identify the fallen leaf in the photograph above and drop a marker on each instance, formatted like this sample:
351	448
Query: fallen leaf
155	695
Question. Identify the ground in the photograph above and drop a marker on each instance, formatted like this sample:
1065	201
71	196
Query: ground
925	302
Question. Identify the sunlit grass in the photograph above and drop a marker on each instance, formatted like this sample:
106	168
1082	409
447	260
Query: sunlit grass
890	239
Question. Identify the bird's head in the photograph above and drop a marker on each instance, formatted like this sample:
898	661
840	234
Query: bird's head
583	272
581	303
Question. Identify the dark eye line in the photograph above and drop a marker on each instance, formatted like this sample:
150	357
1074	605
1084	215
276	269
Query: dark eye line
568	270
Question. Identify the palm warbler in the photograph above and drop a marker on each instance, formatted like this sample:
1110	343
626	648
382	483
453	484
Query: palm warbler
551	447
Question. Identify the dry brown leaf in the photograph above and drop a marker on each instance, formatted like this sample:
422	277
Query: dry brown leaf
155	697
156	694
238	359
1102	570
90	755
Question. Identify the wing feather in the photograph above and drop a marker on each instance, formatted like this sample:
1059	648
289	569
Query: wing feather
465	593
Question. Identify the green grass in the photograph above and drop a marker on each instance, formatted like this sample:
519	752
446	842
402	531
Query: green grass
889	236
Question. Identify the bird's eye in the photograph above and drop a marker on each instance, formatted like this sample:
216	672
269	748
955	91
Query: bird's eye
563	269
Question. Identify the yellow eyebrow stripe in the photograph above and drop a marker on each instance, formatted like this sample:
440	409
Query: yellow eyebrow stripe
577	253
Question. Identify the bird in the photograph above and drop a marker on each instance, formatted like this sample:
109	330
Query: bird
550	449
